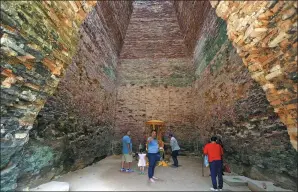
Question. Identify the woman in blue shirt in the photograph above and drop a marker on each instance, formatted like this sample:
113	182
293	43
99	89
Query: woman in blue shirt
153	154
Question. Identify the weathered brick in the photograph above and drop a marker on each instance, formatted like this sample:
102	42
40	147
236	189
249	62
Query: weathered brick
224	99
45	47
255	67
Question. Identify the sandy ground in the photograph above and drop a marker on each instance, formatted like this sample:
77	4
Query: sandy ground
105	176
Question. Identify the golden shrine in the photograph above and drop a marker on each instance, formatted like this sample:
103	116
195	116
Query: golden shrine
159	127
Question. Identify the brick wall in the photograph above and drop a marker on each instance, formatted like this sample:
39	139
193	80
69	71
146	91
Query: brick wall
38	40
229	103
155	73
138	103
225	98
265	36
76	123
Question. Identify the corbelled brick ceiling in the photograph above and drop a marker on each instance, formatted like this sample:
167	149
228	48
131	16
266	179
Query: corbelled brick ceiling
153	32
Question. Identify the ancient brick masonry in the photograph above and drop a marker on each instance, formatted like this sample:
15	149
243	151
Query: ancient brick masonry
36	50
191	17
38	40
155	72
227	102
265	36
76	126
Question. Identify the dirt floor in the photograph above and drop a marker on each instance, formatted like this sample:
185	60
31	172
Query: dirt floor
106	176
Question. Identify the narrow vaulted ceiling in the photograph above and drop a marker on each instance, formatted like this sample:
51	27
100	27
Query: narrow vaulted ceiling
153	32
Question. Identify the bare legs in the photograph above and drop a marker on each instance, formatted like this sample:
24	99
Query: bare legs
123	163
142	170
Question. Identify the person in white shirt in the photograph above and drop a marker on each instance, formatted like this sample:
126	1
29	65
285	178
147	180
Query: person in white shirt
175	150
142	162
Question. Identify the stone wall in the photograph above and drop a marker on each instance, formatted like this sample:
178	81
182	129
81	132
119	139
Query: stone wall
229	103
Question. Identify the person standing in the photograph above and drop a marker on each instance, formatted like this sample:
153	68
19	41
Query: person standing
153	155
215	152
127	152
175	150
142	162
219	141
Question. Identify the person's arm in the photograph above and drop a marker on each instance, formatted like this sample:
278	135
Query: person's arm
128	145
129	149
221	151
150	139
172	142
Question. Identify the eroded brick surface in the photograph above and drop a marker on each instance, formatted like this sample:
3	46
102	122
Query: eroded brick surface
38	40
84	102
191	16
153	32
229	103
176	65
139	103
264	34
155	73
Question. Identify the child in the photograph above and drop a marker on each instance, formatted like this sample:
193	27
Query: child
142	162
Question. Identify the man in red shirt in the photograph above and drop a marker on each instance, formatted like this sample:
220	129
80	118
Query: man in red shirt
215	152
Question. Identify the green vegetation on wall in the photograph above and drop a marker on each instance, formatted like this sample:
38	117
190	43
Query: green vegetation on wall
178	80
36	157
210	48
109	71
178	74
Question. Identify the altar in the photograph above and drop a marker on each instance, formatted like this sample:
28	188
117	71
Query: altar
159	127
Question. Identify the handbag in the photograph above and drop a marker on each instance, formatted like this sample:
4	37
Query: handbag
227	168
206	162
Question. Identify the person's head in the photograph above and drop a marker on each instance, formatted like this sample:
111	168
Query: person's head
128	133
213	139
153	133
170	135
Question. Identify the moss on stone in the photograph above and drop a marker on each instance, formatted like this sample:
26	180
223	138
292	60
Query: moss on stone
36	157
109	71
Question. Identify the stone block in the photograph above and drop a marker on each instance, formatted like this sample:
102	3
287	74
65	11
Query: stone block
214	3
52	186
281	36
255	185
276	102
235	180
273	74
9	178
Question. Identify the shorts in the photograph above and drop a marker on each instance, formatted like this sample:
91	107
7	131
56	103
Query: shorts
127	158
